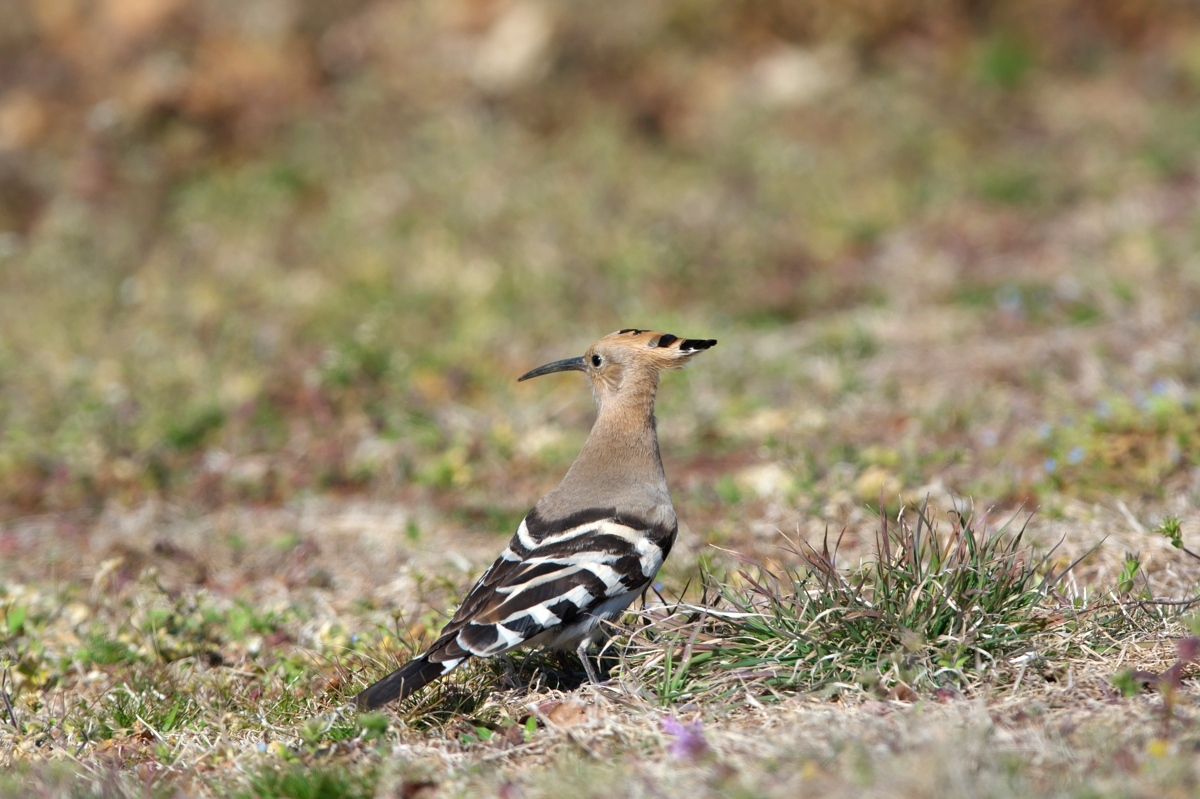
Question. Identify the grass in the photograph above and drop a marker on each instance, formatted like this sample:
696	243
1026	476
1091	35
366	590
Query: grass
259	427
930	618
303	783
159	369
930	613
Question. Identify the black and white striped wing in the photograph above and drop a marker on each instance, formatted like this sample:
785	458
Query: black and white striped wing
558	578
553	584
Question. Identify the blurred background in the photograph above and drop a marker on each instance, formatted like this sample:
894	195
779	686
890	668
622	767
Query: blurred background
250	250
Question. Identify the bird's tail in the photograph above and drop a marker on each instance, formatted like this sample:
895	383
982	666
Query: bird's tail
412	676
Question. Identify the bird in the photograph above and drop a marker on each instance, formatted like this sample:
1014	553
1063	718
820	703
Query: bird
589	547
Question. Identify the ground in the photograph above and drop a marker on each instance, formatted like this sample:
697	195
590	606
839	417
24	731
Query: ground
264	306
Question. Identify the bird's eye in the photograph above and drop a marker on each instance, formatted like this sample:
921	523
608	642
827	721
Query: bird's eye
596	361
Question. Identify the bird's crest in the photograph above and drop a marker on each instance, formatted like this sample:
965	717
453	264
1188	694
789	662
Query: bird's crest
630	346
666	349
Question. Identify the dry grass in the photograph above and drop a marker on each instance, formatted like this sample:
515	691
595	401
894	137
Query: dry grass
145	689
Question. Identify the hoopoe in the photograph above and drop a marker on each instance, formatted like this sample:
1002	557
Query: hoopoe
590	546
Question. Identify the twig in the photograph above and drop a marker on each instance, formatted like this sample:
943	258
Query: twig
12	717
1175	603
1129	517
687	651
883	529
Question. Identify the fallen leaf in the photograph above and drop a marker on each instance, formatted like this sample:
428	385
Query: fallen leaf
420	789
562	714
876	708
23	120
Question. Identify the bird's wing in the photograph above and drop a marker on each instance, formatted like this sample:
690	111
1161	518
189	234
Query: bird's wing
553	573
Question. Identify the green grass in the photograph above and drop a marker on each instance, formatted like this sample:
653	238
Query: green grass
1146	439
303	318
298	782
929	611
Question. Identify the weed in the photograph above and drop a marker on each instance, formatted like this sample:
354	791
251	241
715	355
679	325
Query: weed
1129	572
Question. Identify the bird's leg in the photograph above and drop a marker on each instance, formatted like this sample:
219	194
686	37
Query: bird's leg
510	670
581	650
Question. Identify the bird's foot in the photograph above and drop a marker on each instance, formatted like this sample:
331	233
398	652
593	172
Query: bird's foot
581	650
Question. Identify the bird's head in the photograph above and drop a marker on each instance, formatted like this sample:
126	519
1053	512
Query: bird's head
628	362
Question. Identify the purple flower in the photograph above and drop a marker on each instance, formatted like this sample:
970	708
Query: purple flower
689	743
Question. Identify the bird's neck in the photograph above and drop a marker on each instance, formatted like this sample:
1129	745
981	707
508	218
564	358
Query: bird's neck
620	465
624	437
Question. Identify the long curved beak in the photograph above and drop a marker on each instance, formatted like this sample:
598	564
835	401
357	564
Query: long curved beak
567	365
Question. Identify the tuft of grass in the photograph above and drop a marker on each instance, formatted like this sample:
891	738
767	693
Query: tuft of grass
1004	62
932	611
149	703
101	650
192	430
1147	438
299	782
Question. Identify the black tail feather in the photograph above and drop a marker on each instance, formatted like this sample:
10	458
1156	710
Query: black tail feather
412	676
